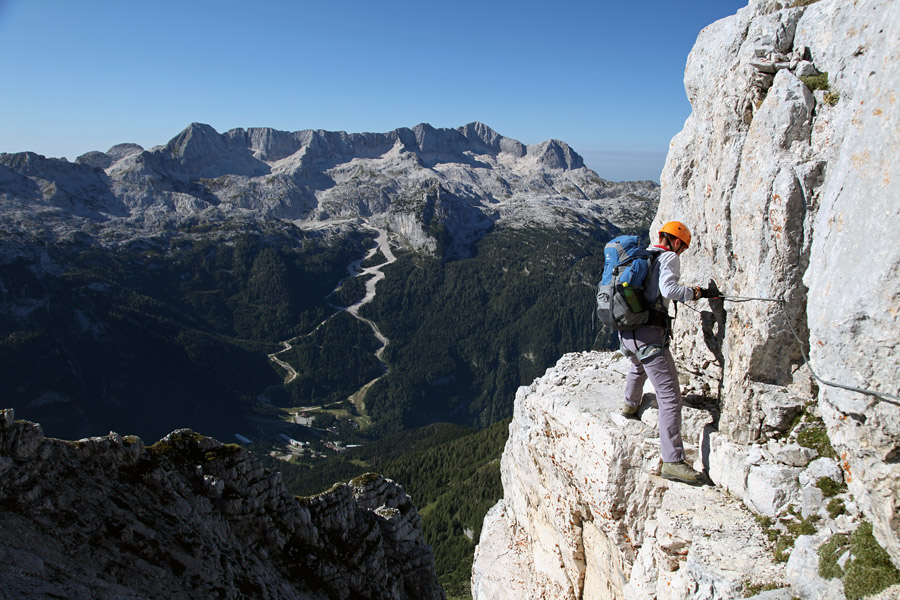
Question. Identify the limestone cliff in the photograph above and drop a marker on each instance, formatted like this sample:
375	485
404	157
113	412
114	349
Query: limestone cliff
792	196
188	517
790	193
584	510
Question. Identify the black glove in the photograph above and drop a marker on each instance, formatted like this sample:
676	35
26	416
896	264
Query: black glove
700	292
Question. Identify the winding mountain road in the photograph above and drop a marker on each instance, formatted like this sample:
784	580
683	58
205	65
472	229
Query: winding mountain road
354	270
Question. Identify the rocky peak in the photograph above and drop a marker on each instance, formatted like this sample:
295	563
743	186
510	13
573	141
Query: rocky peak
555	154
430	140
109	517
196	141
97	159
485	140
268	145
200	151
103	160
31	163
120	151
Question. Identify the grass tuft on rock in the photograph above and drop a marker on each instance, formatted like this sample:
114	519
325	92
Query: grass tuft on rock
814	435
867	568
836	507
829	487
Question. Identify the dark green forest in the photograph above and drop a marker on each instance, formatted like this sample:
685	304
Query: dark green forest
466	334
162	333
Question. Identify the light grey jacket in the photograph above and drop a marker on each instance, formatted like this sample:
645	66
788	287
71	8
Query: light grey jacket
663	279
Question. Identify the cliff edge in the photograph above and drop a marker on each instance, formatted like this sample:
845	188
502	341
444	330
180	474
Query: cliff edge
786	172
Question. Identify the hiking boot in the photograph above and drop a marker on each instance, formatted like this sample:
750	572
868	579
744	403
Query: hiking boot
679	471
629	411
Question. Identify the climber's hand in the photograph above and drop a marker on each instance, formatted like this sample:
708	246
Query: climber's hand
700	292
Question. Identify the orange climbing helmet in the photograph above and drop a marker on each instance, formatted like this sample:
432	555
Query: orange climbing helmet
679	230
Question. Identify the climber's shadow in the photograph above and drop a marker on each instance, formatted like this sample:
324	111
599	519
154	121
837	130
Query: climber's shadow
713	323
710	405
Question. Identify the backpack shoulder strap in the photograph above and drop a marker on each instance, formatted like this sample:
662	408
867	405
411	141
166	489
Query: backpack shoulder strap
654	254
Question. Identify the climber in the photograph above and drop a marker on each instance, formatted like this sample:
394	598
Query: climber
648	348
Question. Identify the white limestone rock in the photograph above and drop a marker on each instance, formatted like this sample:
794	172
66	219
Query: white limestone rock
821	467
702	545
802	571
584	513
795	455
812	501
780	406
787	194
853	331
729	465
562	485
806	69
771	488
779	594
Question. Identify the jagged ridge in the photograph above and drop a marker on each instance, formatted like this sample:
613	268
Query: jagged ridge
108	517
411	181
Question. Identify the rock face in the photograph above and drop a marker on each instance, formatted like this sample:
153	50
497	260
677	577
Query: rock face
190	517
424	184
788	192
585	513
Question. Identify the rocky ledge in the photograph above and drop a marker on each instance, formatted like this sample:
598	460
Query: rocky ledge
107	517
585	513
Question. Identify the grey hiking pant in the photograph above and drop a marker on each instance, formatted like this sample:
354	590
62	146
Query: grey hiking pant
650	357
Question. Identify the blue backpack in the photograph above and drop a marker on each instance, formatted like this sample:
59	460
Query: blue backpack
621	304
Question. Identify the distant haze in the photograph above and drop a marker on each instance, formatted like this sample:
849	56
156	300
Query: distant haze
625	165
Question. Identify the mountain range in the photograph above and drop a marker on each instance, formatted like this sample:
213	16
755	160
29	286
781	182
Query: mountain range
466	179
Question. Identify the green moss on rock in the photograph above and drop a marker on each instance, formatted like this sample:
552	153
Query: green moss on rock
816	82
868	569
815	435
836	507
829	487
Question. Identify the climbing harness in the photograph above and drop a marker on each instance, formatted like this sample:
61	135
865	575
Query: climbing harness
890	398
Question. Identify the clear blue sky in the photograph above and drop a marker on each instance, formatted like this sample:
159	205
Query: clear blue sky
603	76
